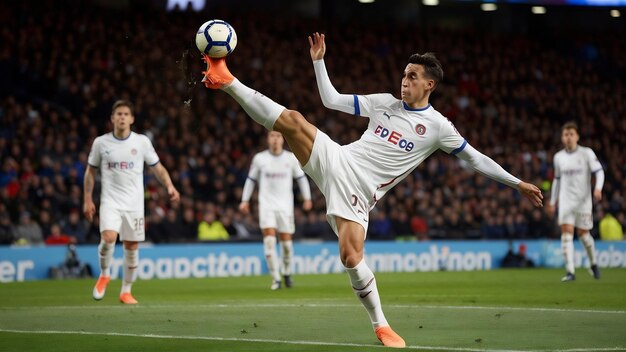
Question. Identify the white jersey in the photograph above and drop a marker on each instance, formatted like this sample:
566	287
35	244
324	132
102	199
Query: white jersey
398	139
121	164
274	174
573	171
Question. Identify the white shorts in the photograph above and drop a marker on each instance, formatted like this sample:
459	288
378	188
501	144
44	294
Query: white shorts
344	185
130	225
581	218
282	221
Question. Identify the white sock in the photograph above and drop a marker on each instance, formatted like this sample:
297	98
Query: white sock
364	286
587	241
105	254
131	261
269	249
567	245
286	251
261	109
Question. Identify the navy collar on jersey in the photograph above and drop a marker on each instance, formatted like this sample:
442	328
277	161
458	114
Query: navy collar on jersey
408	108
571	151
121	139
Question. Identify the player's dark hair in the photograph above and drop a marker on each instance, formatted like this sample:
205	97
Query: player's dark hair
570	125
432	66
121	103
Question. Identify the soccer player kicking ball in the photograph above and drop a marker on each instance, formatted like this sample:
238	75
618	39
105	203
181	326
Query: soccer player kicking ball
120	156
274	170
573	167
401	134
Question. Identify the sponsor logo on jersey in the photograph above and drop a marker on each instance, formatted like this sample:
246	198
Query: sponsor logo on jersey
573	172
121	165
394	138
420	129
275	174
133	151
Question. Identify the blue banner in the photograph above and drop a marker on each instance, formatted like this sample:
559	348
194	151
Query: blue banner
244	259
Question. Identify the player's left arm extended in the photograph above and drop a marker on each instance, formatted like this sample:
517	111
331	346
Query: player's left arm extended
486	166
164	178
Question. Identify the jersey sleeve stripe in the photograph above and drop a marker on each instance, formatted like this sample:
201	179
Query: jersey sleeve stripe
253	180
357	109
151	165
593	172
97	167
459	149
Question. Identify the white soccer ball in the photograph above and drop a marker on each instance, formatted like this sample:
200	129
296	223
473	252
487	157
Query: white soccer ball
216	38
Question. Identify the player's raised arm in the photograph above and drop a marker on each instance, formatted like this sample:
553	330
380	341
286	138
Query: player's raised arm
330	97
318	46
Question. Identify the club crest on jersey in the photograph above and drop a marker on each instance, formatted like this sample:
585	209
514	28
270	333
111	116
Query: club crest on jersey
420	129
133	151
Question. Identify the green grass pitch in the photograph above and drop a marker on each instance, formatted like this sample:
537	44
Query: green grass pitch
501	310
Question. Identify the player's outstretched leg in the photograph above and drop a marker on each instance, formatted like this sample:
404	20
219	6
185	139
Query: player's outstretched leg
260	108
131	261
364	286
217	74
105	255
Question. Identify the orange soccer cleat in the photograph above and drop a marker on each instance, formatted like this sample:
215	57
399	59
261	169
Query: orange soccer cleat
101	287
389	338
127	298
217	74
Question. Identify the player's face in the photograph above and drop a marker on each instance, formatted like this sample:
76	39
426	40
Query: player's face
122	118
275	142
569	137
415	86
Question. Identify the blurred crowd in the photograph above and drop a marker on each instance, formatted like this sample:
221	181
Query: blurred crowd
62	67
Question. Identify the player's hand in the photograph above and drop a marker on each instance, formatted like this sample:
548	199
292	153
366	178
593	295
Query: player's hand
532	192
173	193
550	210
307	205
597	195
244	207
318	46
89	210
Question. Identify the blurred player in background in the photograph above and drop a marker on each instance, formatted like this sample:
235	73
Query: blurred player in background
274	170
120	156
571	190
401	134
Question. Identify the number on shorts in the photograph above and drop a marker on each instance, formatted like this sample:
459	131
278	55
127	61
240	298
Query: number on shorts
138	224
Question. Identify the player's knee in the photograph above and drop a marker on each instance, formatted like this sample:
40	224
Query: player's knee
349	258
289	122
131	245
